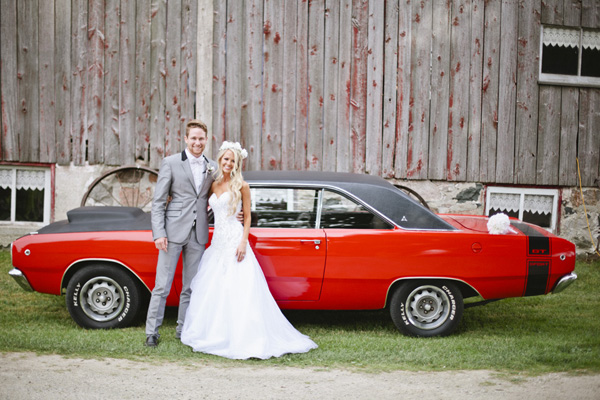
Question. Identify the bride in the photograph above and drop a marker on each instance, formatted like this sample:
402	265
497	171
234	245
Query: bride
232	313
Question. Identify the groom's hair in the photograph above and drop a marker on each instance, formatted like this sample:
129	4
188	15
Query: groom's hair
195	123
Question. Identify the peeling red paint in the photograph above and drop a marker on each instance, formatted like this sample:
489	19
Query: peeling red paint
267	28
417	18
277	38
274	88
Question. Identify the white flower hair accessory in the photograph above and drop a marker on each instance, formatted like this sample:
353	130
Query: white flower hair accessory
499	224
234	146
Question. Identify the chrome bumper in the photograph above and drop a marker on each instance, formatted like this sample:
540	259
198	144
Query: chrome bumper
564	282
20	279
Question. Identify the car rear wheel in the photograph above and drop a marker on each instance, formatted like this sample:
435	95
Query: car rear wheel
426	308
103	297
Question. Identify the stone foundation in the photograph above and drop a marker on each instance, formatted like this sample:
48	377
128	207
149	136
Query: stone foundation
71	183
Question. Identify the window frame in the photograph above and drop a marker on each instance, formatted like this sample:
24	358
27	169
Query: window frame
49	175
320	190
560	79
523	191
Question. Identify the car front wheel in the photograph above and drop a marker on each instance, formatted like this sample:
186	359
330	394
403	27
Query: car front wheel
426	308
103	297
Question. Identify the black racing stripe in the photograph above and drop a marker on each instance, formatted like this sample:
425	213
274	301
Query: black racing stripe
538	244
537	277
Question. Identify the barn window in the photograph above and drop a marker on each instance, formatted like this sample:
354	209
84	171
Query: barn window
570	56
24	194
537	206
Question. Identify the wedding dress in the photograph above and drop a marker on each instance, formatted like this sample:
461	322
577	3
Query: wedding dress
232	312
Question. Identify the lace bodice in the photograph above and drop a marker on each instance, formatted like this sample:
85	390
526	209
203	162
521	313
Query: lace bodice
228	230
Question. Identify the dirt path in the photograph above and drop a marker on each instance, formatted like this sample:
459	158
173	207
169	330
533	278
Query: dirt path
28	376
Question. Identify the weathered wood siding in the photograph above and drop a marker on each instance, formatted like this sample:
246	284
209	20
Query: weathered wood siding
99	81
398	88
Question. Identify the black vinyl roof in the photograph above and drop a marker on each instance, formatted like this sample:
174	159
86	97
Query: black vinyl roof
373	191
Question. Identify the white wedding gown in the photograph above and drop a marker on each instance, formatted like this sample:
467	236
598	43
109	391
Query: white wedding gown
232	312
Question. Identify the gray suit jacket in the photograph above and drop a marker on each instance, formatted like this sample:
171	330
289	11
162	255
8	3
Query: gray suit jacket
174	220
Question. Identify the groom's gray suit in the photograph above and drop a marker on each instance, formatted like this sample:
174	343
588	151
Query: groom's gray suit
183	221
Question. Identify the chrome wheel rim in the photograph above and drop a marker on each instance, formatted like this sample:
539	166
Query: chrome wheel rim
428	307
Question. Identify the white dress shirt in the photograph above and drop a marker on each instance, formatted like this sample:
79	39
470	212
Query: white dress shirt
198	165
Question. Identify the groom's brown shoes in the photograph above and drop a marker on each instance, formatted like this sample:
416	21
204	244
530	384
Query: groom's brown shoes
151	341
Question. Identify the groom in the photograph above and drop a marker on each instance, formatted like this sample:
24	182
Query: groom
179	226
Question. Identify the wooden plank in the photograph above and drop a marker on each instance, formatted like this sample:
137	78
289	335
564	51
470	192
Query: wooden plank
272	86
569	128
549	136
590	14
111	83
331	85
47	117
143	69
316	54
390	87
187	76
233	99
9	140
219	76
490	89
300	159
475	90
344	109
62	76
527	92
505	162
95	92
251	97
589	141
173	135
78	80
571	13
440	145
418	129
375	71
360	23
460	81
204	68
127	84
288	105
552	11
28	80
403	95
158	31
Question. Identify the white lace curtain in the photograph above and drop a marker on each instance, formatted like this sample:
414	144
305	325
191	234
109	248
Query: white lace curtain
571	38
26	179
538	203
535	203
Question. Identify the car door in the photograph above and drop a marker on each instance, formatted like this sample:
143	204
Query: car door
290	249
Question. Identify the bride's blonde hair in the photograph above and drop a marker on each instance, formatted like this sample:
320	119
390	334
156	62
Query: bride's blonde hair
236	179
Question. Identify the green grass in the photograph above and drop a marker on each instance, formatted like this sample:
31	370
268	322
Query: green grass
531	335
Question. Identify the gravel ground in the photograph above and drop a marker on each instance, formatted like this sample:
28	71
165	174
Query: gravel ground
29	376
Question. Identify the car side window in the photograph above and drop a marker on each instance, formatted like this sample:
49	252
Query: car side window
342	213
284	207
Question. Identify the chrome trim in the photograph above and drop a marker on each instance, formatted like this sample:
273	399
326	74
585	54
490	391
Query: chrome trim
21	279
564	282
430	278
62	280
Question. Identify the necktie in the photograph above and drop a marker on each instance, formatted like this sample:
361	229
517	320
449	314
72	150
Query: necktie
197	165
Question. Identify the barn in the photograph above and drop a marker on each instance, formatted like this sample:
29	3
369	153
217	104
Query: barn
480	106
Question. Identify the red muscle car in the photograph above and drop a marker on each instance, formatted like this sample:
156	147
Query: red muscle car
325	241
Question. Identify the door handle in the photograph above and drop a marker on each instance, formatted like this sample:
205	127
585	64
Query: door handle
315	241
